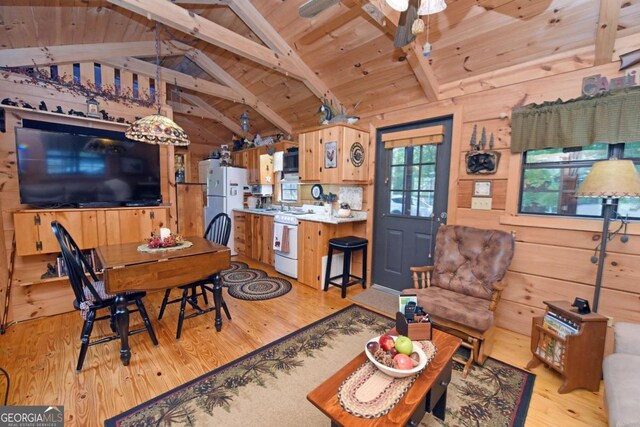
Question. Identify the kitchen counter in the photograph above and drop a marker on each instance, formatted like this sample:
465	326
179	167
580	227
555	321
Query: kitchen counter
356	216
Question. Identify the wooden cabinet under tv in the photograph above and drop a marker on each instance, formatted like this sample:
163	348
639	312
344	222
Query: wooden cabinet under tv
88	227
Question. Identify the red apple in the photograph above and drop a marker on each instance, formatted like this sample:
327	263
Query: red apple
402	361
386	342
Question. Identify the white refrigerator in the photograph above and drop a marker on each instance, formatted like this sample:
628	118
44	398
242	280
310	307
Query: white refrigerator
225	191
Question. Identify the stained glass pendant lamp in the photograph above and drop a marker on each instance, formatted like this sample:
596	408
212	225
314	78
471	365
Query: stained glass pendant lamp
156	128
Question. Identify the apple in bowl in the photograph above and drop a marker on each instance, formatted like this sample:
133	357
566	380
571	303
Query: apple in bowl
402	360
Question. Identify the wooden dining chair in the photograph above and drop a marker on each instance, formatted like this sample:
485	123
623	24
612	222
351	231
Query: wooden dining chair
218	231
91	296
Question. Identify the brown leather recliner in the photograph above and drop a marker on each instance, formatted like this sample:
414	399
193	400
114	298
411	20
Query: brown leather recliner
462	288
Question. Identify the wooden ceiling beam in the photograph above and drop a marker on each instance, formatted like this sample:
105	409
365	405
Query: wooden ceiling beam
199	128
206	111
607	30
186	21
201	2
259	25
177	78
217	72
387	19
50	55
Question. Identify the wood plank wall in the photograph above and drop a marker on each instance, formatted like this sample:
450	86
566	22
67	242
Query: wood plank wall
552	258
29	302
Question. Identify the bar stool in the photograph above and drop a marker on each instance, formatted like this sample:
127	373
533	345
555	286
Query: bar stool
347	245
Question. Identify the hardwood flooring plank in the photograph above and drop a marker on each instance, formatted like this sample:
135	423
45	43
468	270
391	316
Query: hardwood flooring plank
41	355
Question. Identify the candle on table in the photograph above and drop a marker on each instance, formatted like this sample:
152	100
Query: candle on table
164	233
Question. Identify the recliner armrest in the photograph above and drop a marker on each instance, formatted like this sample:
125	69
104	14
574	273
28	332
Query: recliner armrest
627	338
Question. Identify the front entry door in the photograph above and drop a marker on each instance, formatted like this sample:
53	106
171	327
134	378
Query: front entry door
411	194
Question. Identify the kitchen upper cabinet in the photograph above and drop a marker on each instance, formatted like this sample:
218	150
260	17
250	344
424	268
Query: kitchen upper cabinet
344	149
309	157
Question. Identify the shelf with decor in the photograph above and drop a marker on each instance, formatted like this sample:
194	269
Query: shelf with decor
571	344
86	121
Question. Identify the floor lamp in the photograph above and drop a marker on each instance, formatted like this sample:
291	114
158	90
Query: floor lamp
609	180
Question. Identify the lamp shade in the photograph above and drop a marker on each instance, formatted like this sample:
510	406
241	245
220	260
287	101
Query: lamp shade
611	178
157	129
399	5
429	7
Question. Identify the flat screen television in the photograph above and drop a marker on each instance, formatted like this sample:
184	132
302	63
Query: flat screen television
60	165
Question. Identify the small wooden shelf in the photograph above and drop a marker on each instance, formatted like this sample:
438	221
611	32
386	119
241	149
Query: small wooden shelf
577	357
86	120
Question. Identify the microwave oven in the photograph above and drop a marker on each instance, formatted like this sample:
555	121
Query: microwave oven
290	162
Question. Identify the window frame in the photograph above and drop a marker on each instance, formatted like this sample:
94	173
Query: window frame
614	151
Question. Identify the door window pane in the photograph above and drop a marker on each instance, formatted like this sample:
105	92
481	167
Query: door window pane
429	153
412	172
397	201
397	178
428	177
397	156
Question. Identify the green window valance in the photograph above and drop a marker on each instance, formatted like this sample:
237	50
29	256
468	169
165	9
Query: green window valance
611	118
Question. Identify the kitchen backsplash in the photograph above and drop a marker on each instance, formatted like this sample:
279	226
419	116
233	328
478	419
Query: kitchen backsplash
351	194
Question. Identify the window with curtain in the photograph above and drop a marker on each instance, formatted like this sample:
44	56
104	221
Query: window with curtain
550	178
561	140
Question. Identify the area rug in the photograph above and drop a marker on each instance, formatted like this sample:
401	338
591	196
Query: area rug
252	284
268	387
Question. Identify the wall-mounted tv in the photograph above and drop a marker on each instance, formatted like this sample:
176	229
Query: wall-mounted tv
61	165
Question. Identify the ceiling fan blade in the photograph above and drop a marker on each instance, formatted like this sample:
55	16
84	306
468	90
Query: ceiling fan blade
404	36
314	7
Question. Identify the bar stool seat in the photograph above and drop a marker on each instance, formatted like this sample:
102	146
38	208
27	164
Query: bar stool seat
346	244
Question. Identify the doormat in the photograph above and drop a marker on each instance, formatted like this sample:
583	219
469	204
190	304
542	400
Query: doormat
268	386
252	284
380	301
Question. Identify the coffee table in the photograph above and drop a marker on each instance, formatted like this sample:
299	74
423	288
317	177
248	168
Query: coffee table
427	394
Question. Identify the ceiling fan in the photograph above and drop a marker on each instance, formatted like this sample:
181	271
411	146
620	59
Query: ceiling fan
410	10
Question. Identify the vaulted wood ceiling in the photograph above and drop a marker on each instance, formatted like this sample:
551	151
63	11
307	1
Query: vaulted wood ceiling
350	53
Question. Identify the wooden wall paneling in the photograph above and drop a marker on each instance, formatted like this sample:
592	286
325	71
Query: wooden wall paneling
108	76
498	192
112	228
480	219
500	128
190	212
126	81
30	302
516	317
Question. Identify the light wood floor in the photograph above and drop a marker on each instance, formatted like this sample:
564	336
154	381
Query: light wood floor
41	355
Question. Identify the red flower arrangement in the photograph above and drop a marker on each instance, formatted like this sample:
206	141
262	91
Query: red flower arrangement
173	240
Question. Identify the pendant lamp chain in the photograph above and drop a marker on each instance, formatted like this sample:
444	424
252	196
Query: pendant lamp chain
157	94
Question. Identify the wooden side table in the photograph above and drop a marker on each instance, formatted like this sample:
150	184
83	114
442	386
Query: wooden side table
577	357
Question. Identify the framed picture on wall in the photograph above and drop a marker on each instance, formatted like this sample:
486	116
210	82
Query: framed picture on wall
331	155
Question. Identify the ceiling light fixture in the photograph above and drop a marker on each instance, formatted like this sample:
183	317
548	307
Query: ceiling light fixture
429	7
244	122
156	128
399	5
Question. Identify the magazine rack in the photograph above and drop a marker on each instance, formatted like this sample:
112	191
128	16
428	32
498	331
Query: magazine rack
577	357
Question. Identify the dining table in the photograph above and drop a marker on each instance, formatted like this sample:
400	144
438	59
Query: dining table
129	267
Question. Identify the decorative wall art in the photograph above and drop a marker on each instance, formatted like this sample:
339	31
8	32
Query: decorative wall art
331	155
356	154
478	159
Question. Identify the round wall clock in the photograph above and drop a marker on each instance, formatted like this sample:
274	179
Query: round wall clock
356	154
316	191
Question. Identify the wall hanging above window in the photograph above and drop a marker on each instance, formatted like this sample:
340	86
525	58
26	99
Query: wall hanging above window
609	118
